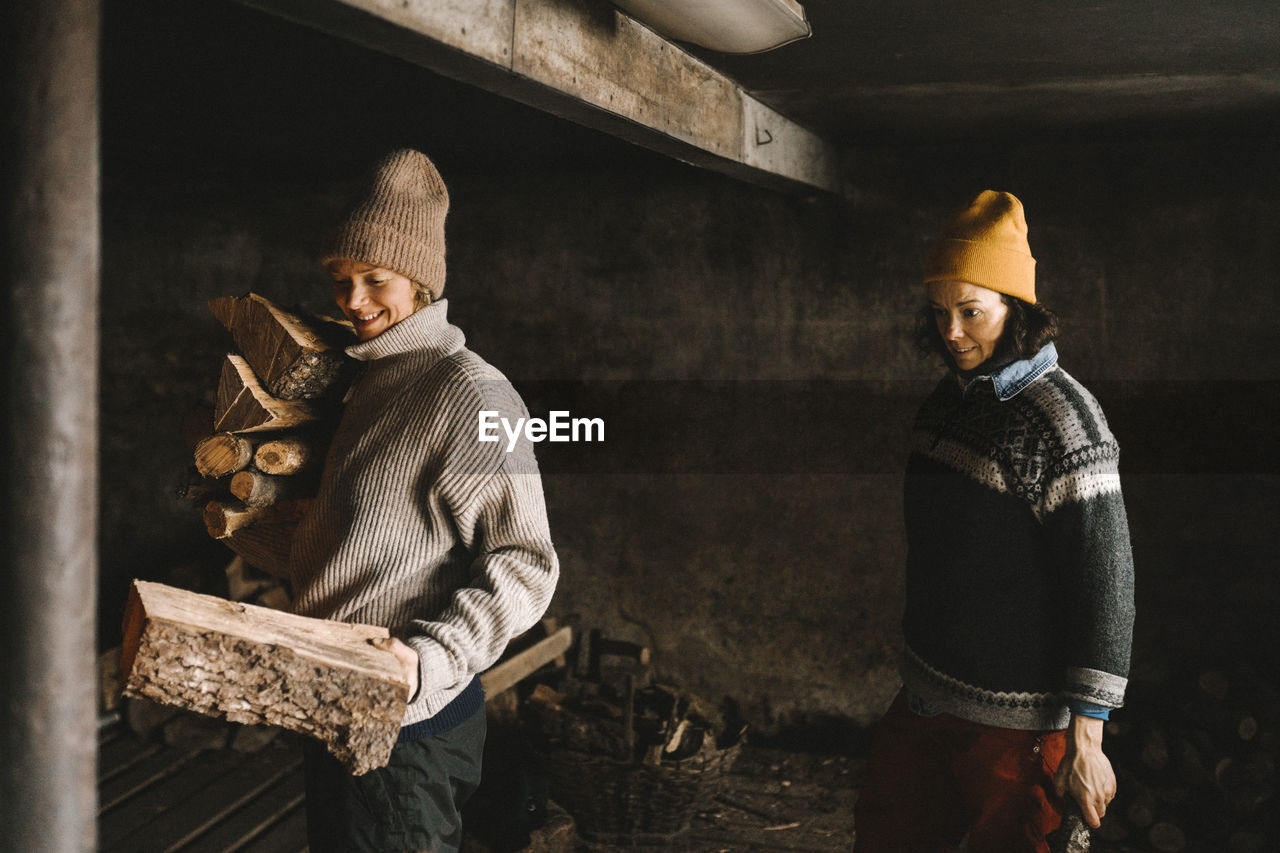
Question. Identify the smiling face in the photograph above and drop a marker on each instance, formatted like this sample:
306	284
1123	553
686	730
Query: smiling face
969	318
373	298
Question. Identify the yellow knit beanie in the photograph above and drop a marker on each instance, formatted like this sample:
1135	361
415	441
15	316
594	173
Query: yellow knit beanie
397	221
986	244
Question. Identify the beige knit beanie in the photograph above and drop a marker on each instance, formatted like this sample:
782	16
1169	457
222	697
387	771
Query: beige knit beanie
986	244
397	221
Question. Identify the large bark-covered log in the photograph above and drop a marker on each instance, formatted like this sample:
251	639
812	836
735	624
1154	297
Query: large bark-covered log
243	405
258	666
295	358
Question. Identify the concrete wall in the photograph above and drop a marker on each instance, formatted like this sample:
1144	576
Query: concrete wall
749	353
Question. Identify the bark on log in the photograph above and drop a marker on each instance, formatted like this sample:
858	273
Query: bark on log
256	489
253	665
264	546
243	405
285	456
295	358
222	519
223	453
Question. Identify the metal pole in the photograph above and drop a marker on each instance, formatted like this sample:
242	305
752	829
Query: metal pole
49	341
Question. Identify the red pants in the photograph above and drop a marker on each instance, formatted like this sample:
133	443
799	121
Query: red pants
933	780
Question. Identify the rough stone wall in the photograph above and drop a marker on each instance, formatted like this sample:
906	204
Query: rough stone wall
749	353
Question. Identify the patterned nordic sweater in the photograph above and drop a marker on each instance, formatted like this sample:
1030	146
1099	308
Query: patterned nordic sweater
1019	571
420	527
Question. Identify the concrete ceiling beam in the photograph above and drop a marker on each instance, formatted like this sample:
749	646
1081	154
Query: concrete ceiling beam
585	61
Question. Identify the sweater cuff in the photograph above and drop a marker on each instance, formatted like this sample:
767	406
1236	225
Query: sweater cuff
434	667
1095	687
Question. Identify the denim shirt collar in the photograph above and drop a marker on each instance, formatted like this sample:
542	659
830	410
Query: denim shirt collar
1009	380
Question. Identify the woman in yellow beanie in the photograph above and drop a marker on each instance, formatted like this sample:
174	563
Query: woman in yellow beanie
1019	577
417	526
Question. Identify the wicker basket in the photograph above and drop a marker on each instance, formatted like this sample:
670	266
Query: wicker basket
625	803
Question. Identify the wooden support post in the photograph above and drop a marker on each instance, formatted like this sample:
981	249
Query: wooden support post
50	233
331	680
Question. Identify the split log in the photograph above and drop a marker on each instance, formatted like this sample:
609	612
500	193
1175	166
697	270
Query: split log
257	666
223	453
223	518
243	405
285	456
256	489
296	359
264	546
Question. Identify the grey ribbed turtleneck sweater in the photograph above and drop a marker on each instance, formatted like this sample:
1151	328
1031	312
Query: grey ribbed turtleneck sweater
417	525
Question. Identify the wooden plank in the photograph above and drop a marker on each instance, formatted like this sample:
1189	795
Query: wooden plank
251	776
254	665
118	755
520	666
288	835
156	766
130	820
253	818
584	61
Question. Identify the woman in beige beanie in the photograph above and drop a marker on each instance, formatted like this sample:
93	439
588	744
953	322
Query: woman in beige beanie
1019	577
417	525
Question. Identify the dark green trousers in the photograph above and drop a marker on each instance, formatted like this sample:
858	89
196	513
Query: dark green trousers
412	804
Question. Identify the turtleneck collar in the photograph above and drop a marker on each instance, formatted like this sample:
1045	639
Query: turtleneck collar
427	329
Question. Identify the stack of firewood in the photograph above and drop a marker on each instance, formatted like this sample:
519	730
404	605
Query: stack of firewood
257	459
1197	767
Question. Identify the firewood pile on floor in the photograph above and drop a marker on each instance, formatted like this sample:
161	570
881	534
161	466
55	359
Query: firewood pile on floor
1195	756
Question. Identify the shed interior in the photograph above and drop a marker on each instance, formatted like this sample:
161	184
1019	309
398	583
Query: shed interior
747	348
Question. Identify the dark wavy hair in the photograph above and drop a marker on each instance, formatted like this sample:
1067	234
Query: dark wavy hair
1027	328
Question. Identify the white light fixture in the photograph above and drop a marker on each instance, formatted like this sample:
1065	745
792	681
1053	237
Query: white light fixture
725	26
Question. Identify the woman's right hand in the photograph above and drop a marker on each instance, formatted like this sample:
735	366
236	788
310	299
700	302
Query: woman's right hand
1085	771
406	657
